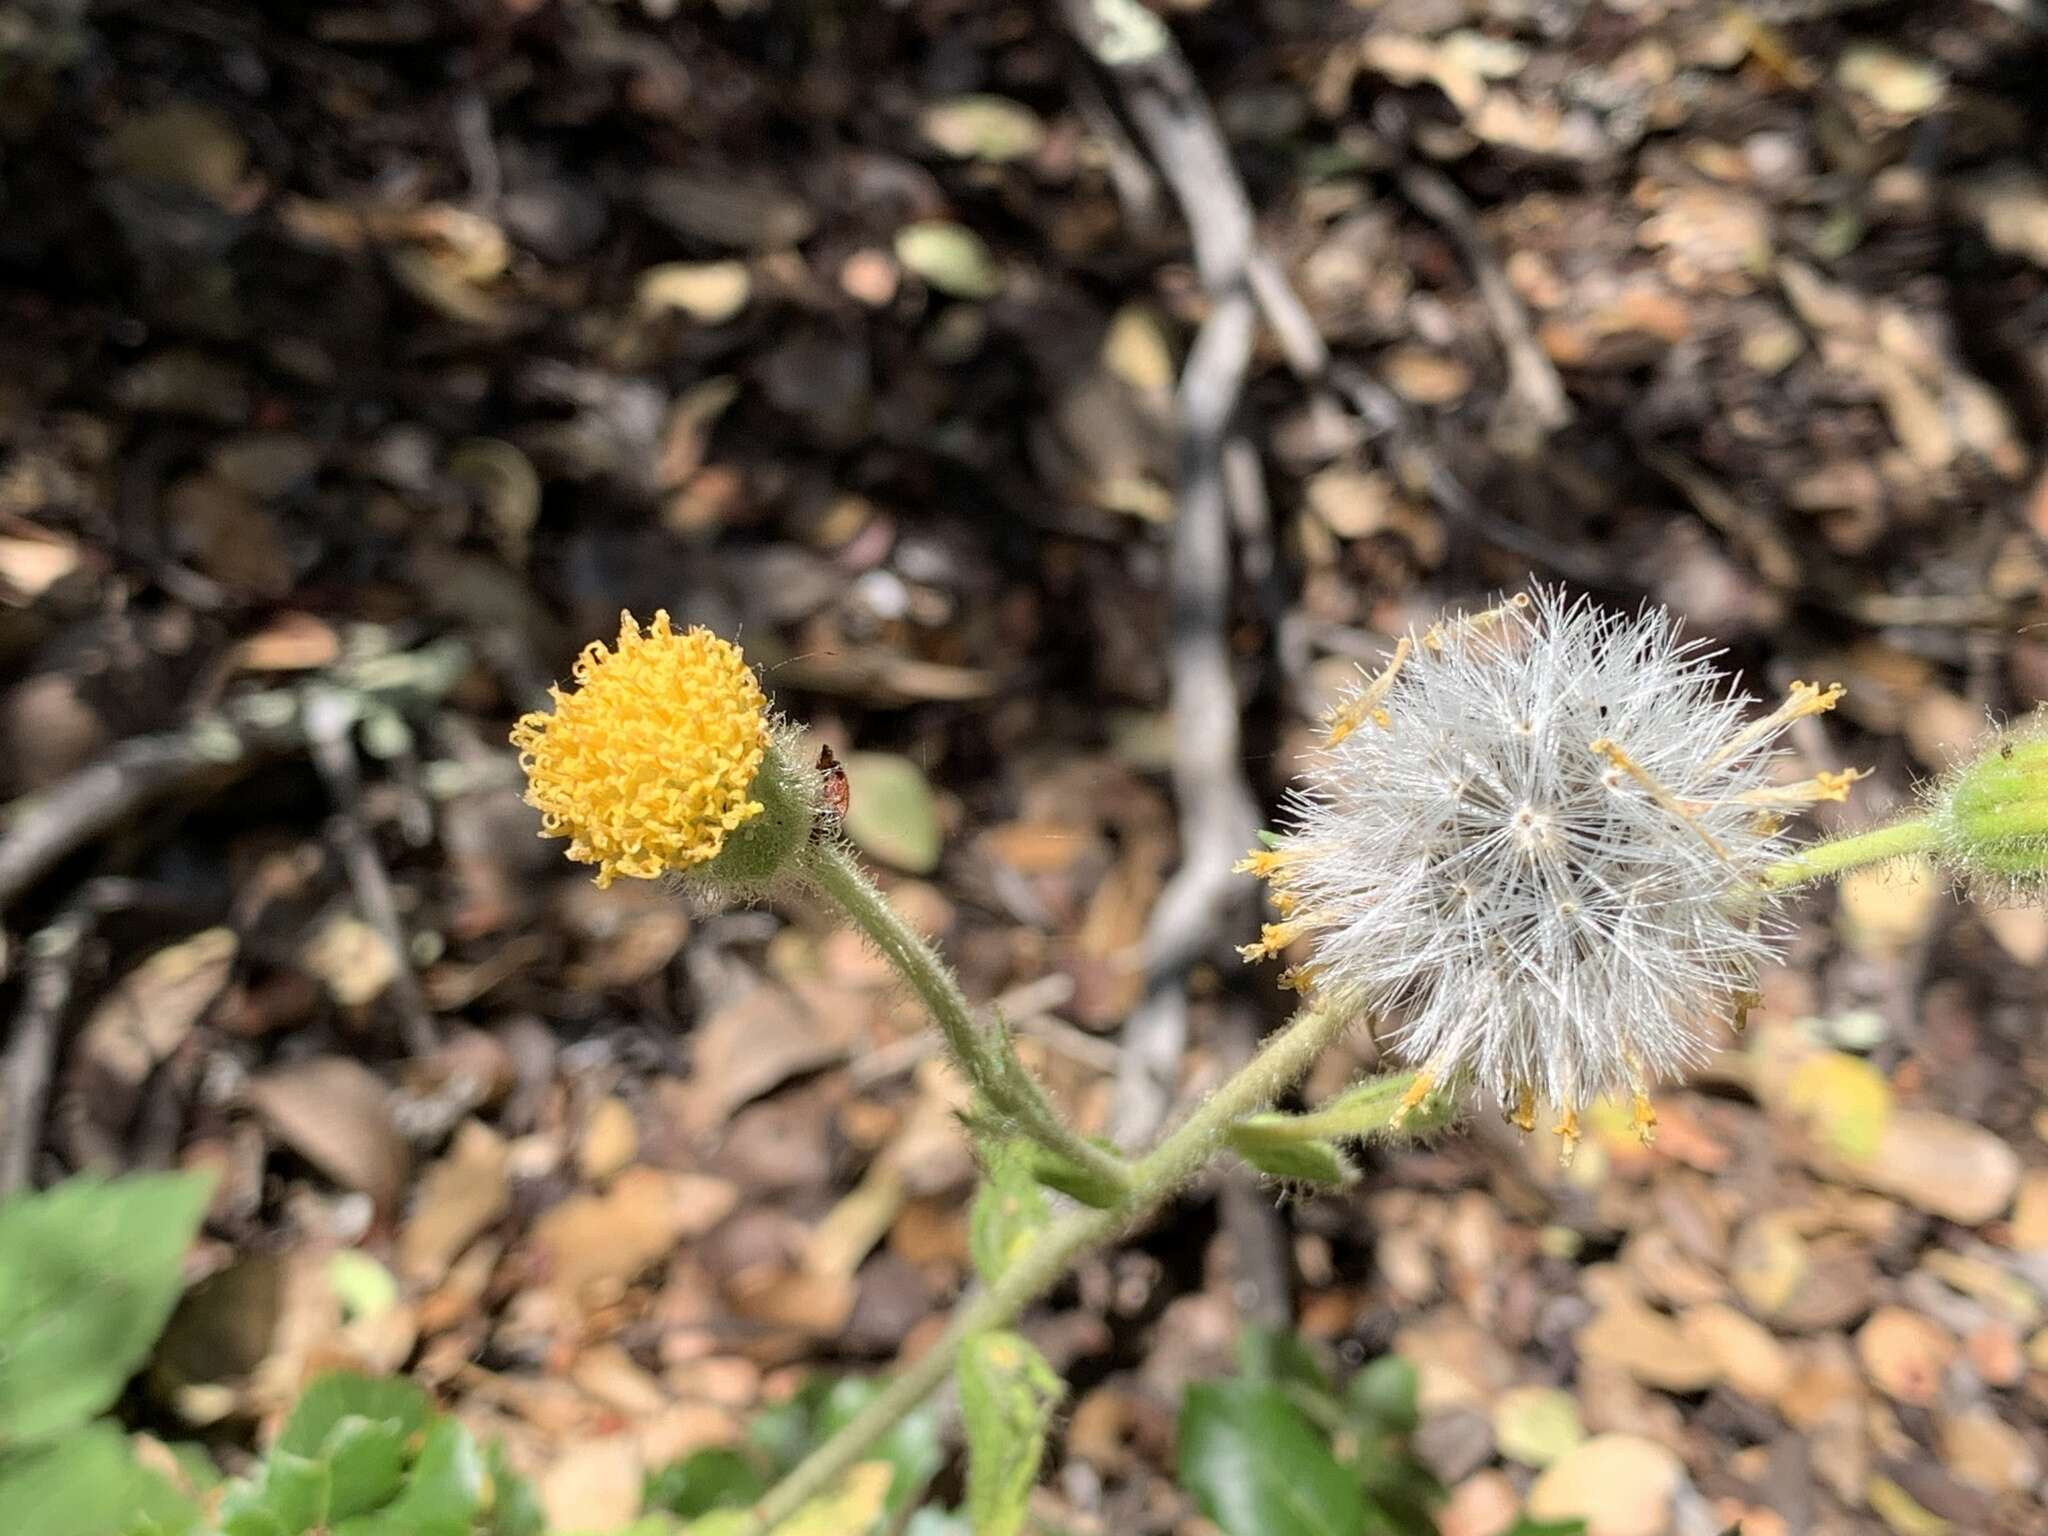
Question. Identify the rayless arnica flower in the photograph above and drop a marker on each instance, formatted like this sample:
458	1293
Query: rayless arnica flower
1535	844
664	761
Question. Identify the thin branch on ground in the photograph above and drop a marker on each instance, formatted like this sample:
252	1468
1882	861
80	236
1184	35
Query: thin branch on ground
52	957
207	754
1202	904
330	717
1534	404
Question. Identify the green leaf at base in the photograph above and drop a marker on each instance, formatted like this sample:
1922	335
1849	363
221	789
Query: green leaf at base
1007	1395
1009	1209
89	1272
89	1484
1257	1467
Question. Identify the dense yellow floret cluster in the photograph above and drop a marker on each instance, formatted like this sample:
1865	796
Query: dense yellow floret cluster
649	762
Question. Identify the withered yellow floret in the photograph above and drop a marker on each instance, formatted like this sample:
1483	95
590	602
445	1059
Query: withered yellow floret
647	764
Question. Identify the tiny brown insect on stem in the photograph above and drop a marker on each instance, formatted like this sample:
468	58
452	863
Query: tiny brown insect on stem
835	793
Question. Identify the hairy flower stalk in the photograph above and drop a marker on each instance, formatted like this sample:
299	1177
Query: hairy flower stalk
664	762
1536	843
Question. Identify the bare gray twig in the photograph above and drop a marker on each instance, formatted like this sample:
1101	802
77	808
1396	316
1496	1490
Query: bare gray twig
1535	403
211	751
330	716
1202	903
51	964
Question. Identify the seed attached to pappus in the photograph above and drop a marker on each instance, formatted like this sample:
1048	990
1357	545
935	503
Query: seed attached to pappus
1533	845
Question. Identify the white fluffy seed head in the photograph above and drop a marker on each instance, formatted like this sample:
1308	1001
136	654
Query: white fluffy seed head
1533	845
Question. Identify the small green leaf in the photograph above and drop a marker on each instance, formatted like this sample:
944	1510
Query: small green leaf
1257	1467
88	1484
89	1272
1009	1209
515	1507
342	1394
1383	1396
1007	1395
367	1459
1291	1158
297	1491
714	1478
1071	1179
892	814
443	1491
949	256
1525	1526
912	1448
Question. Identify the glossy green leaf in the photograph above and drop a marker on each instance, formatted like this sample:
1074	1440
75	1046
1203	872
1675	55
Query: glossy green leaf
1383	1396
366	1459
515	1507
714	1478
344	1394
1257	1467
1007	1396
444	1491
89	1272
293	1491
88	1484
1009	1209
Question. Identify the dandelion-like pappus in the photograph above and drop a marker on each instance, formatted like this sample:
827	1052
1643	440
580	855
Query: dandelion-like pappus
1533	843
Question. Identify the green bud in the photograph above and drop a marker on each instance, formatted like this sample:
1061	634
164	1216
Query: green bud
1293	1158
1991	816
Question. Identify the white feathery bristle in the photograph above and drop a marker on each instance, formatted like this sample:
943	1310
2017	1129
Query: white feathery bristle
1533	846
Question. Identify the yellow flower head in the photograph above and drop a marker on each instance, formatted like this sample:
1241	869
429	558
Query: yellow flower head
651	761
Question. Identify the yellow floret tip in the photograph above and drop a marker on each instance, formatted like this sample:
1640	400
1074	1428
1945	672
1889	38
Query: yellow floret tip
649	762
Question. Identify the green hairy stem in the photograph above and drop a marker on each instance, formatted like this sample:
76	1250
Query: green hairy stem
1150	1181
1842	854
1120	1194
984	1051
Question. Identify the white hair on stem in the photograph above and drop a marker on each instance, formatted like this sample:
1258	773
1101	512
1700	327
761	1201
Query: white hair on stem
1533	843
